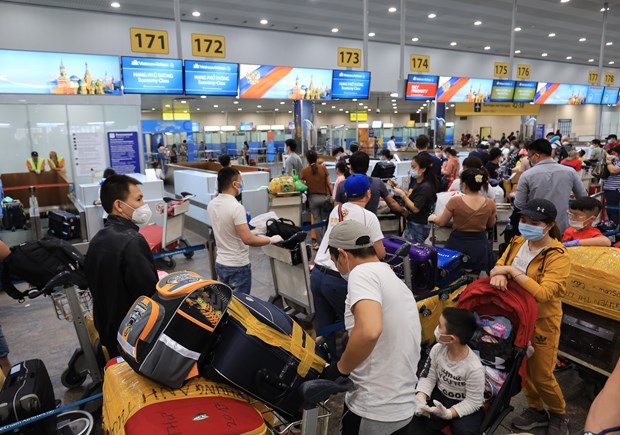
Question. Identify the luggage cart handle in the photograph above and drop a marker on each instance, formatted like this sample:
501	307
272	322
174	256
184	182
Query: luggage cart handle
63	278
319	390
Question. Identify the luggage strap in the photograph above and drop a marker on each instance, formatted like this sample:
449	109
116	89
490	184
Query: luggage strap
299	343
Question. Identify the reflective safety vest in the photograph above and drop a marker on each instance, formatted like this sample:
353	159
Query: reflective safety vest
61	163
40	166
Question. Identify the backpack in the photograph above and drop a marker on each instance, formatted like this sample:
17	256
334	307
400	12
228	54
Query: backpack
38	261
601	170
562	151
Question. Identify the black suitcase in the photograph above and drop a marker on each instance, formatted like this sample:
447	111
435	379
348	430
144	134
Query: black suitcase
63	224
28	391
384	170
13	217
253	353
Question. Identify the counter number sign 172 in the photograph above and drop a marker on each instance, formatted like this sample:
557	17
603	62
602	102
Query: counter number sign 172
149	41
208	45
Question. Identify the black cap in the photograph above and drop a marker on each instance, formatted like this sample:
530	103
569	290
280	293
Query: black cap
611	136
540	210
34	154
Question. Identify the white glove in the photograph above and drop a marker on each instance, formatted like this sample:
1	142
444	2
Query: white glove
423	410
275	239
440	411
38	172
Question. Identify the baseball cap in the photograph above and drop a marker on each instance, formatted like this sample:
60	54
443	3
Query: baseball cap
34	154
540	210
356	185
349	235
611	136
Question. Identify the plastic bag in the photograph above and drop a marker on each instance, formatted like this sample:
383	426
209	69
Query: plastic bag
259	223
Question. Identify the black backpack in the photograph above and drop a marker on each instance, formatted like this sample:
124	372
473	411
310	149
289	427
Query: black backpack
562	151
38	261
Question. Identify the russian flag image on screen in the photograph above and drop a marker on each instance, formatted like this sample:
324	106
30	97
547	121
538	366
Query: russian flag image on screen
464	90
350	84
421	88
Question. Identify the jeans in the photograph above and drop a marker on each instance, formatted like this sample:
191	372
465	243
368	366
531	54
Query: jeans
612	198
239	278
315	204
467	425
416	233
329	293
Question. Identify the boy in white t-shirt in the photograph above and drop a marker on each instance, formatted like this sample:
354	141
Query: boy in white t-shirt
383	350
452	381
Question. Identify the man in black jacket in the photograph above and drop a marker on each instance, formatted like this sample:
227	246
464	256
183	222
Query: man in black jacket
119	262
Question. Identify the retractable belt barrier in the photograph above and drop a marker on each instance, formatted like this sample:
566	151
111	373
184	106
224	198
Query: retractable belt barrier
38	186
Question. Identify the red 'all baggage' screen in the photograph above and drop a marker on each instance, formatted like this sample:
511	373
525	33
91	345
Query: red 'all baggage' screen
421	87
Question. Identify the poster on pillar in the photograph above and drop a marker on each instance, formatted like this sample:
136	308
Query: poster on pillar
124	152
305	134
89	156
362	140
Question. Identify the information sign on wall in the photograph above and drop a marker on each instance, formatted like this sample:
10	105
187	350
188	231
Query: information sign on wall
149	41
88	153
124	152
609	78
350	57
593	77
523	71
500	69
358	116
420	63
208	45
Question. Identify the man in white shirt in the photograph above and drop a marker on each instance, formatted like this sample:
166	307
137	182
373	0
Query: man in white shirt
232	234
293	161
383	351
391	145
329	289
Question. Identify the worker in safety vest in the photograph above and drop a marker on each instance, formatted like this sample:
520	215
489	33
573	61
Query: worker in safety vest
56	162
35	164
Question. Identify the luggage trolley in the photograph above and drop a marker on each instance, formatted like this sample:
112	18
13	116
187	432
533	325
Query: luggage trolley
167	241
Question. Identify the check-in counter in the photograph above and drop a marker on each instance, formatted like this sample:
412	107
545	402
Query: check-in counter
91	213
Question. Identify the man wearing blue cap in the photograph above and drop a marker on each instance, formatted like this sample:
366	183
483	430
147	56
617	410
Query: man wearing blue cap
329	288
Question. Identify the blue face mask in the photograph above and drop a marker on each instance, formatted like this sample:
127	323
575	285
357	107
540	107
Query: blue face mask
512	147
531	232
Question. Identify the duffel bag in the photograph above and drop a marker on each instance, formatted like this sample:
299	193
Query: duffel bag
165	337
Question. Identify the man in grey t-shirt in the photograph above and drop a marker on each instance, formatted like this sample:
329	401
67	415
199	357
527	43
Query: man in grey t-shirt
293	161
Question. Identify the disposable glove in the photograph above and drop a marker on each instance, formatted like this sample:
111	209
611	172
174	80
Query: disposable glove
332	373
422	410
571	243
440	411
275	239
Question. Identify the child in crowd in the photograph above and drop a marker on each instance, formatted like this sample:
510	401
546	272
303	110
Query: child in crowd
581	216
453	379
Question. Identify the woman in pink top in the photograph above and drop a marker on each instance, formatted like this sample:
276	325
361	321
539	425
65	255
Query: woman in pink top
452	166
342	173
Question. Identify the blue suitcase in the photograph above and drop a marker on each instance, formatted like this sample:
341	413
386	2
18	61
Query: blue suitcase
450	265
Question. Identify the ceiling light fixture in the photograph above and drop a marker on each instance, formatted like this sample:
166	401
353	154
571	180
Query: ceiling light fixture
551	35
487	47
282	102
115	4
167	105
215	106
582	39
259	107
609	43
183	102
277	110
611	62
203	96
392	10
152	108
453	43
239	109
323	103
590	60
235	102
196	14
414	39
290	111
394	95
569	57
335	30
264	22
371	35
477	23
197	108
432	15
517	29
564	1
333	107
517	51
544	55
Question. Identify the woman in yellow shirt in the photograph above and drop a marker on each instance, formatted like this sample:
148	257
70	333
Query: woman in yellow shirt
539	263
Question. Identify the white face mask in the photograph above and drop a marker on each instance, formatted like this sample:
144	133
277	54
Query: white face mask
345	276
438	335
413	173
141	215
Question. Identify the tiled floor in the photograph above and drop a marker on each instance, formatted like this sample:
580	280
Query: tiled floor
33	331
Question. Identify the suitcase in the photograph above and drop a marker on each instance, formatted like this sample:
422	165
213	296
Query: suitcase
63	224
450	265
13	217
261	351
423	259
430	307
28	391
133	405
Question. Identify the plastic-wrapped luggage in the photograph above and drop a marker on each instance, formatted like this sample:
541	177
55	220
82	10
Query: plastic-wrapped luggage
166	336
262	351
134	405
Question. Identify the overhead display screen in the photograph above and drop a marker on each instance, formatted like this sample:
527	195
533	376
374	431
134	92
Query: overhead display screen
464	90
524	92
610	95
503	91
283	82
595	94
557	93
143	75
421	88
211	78
350	84
36	72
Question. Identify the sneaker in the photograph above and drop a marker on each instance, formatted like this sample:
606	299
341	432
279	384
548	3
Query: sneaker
531	418
558	424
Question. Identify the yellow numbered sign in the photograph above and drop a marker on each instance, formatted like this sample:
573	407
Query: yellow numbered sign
523	71
351	57
593	77
609	79
208	45
420	63
500	69
149	41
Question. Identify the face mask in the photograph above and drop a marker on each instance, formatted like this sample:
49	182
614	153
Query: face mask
531	232
240	188
512	148
345	276
438	336
576	224
565	143
141	215
609	141
413	173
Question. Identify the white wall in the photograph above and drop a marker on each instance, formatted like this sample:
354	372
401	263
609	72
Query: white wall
25	27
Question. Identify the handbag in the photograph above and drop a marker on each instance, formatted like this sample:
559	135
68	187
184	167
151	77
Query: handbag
328	205
282	227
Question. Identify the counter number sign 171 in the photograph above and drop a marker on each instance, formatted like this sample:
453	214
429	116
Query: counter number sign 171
149	41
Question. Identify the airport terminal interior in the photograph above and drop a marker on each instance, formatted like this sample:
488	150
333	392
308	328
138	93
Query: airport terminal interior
237	168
